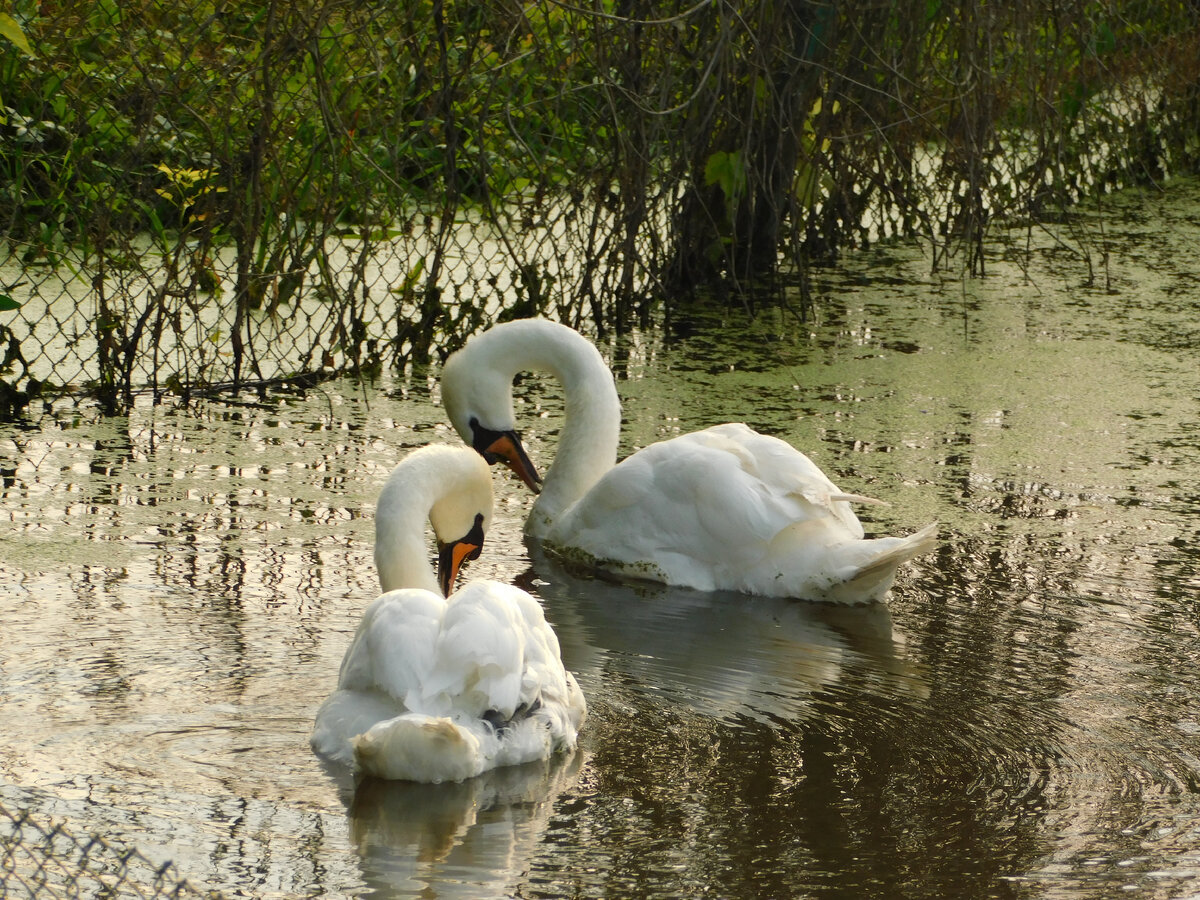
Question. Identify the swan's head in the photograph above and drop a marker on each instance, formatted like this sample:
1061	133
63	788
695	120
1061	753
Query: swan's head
461	511
477	393
451	486
453	553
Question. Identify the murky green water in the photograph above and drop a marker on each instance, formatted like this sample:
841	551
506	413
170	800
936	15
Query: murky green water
1022	720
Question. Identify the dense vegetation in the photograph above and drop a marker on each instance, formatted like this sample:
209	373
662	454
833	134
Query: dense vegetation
182	157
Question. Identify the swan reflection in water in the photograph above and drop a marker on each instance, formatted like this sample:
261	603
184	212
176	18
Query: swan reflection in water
719	654
468	839
722	656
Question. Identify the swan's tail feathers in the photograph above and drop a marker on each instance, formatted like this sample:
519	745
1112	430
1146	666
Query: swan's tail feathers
415	747
875	574
919	542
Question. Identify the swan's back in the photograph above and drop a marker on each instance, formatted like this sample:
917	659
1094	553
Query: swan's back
496	654
701	502
727	508
394	645
437	690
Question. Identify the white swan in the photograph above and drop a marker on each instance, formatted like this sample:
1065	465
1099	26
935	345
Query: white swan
724	508
434	689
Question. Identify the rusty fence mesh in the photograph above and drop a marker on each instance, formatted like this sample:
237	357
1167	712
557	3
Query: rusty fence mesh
200	194
41	859
205	193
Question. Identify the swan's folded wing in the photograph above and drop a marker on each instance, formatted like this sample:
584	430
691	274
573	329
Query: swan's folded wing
748	487
620	519
670	510
704	509
480	653
784	470
544	679
392	649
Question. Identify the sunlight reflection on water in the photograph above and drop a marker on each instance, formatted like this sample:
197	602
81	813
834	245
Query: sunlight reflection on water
1021	718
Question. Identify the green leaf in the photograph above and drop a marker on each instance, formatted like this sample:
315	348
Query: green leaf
715	168
410	280
11	30
7	303
727	171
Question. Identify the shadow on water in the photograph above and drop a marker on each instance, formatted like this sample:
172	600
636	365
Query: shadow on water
795	748
725	656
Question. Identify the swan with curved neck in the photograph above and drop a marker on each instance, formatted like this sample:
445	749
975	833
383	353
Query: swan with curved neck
441	689
441	484
724	508
477	393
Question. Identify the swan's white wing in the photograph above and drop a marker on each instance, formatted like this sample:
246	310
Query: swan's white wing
480	654
545	681
393	649
547	690
785	471
702	507
664	514
498	655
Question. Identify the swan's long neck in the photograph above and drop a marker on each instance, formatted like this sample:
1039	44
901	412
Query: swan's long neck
401	555
480	383
587	444
432	479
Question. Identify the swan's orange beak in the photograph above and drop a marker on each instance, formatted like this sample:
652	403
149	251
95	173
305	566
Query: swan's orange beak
505	447
452	555
508	449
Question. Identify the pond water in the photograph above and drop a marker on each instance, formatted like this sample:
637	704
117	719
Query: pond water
1021	719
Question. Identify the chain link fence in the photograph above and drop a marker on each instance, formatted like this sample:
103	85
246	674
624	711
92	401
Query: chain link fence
199	195
208	195
40	859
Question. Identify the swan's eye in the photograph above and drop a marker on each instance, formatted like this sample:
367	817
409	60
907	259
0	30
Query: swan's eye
482	439
474	537
452	554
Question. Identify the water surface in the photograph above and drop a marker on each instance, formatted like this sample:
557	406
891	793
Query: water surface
1021	719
